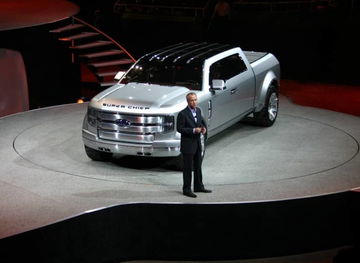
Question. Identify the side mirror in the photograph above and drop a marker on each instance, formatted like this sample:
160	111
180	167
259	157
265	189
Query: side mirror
119	75
218	84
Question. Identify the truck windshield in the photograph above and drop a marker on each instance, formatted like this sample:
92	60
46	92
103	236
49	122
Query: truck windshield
188	75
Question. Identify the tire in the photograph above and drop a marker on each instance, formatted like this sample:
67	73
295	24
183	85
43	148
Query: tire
268	114
96	155
178	163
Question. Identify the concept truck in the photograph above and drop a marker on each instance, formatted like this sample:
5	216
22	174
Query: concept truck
137	116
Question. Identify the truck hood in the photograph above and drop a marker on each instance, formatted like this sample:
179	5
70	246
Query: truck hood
140	97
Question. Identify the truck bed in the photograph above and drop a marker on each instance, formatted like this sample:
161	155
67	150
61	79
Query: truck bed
252	56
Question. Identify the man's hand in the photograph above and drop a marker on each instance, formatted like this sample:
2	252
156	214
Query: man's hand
203	130
197	130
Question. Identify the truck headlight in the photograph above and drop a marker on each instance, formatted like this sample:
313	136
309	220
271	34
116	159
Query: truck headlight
168	124
92	116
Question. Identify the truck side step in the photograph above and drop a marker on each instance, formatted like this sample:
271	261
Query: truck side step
111	63
98	43
67	28
79	36
102	54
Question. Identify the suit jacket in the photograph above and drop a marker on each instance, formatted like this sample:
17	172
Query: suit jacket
185	125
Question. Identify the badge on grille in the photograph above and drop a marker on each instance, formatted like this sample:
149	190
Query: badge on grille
123	122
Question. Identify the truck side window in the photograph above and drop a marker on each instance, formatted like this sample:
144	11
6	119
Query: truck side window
234	65
227	68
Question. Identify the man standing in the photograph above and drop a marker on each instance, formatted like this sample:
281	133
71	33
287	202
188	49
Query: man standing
191	124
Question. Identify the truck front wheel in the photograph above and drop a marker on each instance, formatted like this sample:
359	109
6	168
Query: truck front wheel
96	155
267	116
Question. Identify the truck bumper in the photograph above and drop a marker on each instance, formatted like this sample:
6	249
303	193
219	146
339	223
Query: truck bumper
155	149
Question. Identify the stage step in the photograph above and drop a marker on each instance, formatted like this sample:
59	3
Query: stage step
67	28
100	57
94	44
106	74
111	63
102	54
79	36
107	84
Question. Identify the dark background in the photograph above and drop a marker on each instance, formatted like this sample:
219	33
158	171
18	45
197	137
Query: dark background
318	44
312	44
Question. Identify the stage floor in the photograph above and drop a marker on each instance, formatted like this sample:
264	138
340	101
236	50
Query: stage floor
45	175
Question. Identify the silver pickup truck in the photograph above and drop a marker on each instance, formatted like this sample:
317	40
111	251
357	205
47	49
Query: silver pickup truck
137	116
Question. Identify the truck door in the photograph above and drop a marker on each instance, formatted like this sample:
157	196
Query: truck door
241	83
238	94
221	104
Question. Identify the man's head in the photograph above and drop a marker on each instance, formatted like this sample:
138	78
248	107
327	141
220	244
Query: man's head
191	99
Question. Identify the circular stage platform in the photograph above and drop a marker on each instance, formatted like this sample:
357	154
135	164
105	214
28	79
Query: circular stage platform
46	176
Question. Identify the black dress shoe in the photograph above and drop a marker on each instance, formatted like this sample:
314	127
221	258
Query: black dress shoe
189	194
204	190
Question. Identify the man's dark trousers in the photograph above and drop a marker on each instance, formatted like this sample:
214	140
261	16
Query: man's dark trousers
190	161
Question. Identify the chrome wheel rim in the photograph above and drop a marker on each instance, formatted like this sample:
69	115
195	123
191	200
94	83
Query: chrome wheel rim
273	106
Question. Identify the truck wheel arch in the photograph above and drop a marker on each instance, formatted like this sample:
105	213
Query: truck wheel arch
268	114
270	80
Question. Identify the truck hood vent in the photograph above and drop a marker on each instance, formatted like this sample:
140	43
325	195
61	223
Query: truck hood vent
145	95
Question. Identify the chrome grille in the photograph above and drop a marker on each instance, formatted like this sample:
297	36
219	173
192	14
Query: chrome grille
129	127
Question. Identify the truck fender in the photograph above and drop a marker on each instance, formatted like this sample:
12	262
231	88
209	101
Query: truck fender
269	80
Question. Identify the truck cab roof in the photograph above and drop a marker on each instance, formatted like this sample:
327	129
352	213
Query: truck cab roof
186	53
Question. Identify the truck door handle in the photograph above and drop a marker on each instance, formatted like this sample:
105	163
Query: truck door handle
232	91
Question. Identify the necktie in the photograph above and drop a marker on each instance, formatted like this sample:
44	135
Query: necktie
194	115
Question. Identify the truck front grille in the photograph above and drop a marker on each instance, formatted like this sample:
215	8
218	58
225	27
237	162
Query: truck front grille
129	127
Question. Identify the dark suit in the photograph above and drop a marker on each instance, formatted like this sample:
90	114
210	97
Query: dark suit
190	147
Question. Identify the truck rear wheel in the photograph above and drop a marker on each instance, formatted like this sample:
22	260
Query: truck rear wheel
96	155
268	114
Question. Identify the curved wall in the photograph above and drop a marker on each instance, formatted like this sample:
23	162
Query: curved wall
177	231
13	83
